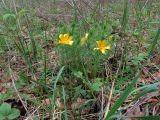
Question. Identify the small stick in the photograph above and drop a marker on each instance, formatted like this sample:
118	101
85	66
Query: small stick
30	116
13	79
109	101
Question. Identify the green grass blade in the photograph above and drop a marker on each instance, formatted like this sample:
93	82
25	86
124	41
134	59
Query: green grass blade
55	83
45	69
124	19
146	91
123	97
34	47
145	87
154	43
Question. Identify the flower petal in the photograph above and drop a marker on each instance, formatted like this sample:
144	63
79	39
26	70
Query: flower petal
98	42
60	36
108	47
103	42
70	42
96	49
66	35
70	38
86	35
103	51
65	39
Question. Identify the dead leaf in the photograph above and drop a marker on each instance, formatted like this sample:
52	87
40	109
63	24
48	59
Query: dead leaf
46	101
59	104
135	112
77	103
157	75
3	89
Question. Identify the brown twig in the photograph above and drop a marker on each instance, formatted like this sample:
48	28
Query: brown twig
109	101
13	79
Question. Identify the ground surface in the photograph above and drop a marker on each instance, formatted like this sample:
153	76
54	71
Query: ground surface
31	61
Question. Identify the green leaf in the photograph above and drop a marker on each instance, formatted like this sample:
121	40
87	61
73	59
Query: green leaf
4	96
78	74
96	86
141	57
146	91
5	109
115	23
14	114
136	33
7	15
22	12
79	91
12	27
2	117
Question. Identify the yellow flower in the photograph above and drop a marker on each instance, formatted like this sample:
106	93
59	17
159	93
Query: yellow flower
65	39
84	39
102	45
